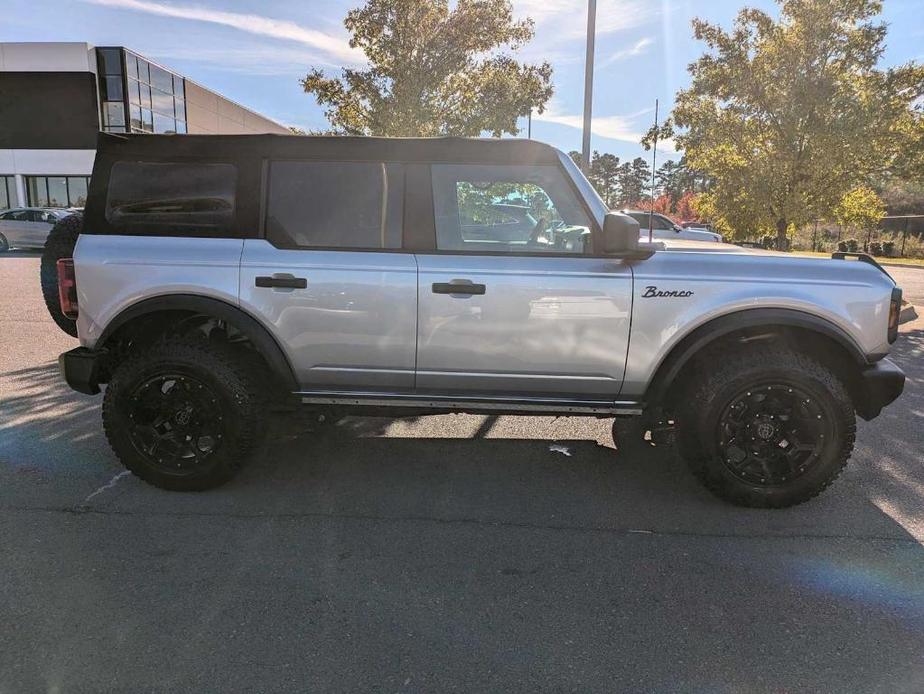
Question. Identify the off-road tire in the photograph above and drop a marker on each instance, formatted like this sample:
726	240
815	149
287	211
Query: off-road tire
240	402
4	244
706	396
60	244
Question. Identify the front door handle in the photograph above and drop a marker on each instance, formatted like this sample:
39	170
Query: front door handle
281	282
458	287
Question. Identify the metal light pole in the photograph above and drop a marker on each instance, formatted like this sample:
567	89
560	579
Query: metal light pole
529	124
588	82
654	165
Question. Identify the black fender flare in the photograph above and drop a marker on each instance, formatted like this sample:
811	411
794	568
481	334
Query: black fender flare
258	334
752	318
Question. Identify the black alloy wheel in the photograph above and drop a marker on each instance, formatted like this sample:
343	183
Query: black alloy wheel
185	414
765	427
772	433
175	422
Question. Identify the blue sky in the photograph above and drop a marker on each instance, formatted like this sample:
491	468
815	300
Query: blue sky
254	51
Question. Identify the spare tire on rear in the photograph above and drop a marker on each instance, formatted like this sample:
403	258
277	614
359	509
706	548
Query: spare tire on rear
60	244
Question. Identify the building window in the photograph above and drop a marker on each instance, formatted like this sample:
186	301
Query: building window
111	89
57	191
156	97
8	196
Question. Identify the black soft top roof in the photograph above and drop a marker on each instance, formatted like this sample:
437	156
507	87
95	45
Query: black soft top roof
403	149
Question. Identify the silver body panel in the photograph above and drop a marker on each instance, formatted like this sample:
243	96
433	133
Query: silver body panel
354	325
544	326
725	279
116	272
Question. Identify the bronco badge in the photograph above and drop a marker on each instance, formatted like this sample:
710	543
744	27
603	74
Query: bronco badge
652	291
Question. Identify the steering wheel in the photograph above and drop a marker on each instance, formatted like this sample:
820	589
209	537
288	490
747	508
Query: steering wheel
537	231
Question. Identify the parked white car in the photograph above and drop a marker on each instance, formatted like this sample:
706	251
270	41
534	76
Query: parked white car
664	227
28	227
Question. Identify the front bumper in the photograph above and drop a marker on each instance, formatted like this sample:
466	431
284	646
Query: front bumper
81	369
880	384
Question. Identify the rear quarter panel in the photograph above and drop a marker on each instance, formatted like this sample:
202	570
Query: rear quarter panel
115	272
853	296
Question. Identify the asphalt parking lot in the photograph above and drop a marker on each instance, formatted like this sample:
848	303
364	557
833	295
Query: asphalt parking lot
447	553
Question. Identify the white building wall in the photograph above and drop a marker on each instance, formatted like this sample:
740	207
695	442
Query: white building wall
43	162
47	57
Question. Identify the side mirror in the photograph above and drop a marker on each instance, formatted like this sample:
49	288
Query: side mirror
620	234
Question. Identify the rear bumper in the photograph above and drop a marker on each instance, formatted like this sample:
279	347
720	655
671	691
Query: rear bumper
80	368
880	384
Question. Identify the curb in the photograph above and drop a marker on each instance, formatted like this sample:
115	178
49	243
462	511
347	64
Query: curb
905	265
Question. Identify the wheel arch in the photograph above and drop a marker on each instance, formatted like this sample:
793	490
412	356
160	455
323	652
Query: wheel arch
250	327
829	341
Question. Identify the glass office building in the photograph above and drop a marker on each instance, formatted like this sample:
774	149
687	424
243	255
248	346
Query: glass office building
56	97
138	96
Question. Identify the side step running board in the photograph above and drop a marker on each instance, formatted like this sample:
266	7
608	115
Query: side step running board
471	404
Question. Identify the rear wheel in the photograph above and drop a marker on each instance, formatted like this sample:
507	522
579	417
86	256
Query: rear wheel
766	428
60	244
184	415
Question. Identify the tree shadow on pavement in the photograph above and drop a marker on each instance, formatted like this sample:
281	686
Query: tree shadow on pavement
893	443
45	426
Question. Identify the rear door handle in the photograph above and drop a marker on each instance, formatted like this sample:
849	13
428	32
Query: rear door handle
281	282
458	287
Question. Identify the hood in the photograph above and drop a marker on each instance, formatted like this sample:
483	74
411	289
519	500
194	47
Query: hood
712	246
765	262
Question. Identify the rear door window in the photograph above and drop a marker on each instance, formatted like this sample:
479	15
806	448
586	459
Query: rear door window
170	199
349	205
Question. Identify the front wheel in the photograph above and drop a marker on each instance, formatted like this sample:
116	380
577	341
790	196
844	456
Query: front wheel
766	428
184	415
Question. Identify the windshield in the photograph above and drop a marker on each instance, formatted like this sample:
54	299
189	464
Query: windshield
590	195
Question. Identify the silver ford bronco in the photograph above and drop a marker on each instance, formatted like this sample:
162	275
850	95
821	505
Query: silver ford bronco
214	280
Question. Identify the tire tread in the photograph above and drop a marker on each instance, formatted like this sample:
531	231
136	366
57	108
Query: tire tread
729	367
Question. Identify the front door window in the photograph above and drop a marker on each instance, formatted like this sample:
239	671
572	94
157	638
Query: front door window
507	209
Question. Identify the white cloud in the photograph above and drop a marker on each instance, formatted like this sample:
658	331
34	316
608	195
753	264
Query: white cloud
637	48
624	128
335	47
258	60
566	20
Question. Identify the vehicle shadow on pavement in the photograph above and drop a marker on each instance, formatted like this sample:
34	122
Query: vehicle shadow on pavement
408	468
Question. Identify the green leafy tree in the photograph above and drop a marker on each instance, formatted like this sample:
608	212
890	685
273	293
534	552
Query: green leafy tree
604	174
860	209
669	180
434	69
784	116
634	181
